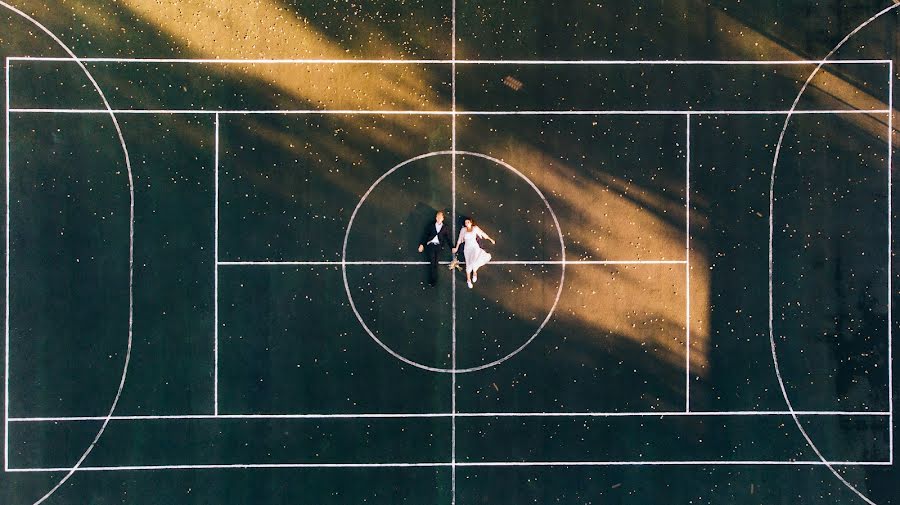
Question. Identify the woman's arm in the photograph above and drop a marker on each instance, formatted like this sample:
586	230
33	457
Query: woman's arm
484	235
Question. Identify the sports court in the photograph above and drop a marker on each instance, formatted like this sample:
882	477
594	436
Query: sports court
213	293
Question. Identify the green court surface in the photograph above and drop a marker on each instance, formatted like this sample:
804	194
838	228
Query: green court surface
213	293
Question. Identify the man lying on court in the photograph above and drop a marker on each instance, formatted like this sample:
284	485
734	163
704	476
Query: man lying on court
435	237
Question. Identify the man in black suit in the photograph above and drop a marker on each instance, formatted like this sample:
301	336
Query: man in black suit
435	237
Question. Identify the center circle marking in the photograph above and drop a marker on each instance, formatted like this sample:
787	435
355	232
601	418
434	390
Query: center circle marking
362	322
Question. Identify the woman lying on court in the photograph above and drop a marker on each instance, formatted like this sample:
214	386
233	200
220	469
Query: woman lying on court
476	257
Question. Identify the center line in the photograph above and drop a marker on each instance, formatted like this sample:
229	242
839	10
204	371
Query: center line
453	237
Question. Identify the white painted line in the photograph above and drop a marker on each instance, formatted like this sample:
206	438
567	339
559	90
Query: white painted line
499	262
315	61
216	272
890	271
671	463
587	262
676	413
638	112
656	112
453	271
6	290
232	61
771	261
693	413
687	264
238	466
217	417
233	466
237	112
322	263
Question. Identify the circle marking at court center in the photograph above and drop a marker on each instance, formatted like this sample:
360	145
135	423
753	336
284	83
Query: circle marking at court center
483	366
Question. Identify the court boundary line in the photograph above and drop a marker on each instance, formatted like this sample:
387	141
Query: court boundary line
437	112
454	113
6	289
413	415
132	468
890	271
438	61
453	238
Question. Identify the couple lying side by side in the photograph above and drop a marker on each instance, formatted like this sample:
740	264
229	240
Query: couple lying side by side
437	235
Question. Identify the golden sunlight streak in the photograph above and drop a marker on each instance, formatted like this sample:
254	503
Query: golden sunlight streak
266	30
645	303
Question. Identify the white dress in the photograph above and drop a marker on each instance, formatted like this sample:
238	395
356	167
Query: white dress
475	255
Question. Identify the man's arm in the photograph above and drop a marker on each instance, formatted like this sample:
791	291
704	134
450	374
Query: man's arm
426	234
445	235
424	239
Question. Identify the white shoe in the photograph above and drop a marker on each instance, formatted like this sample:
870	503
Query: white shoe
469	283
474	277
